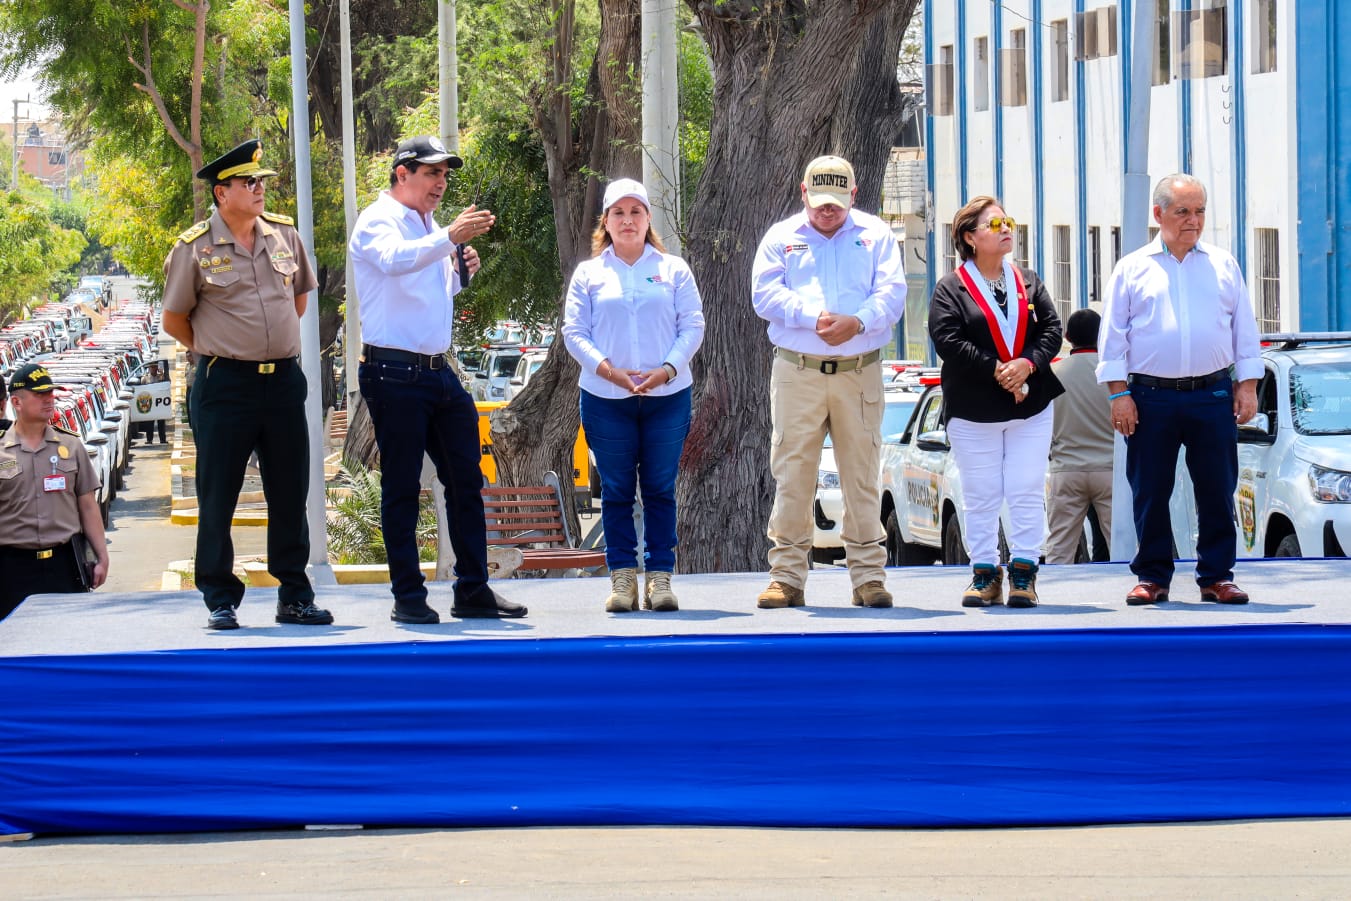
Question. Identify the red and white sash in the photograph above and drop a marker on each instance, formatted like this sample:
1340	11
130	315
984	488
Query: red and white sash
980	292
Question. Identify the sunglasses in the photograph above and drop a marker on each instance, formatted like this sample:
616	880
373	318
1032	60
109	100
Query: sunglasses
998	222
254	183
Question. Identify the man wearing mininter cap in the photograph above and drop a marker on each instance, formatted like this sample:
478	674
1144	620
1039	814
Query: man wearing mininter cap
830	283
235	287
407	273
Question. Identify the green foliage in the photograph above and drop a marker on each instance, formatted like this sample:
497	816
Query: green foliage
354	533
33	249
695	77
135	208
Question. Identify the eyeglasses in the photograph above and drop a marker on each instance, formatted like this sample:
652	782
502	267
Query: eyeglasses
254	183
998	222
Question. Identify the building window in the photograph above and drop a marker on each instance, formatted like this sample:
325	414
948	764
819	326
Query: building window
1267	279
1021	254
1013	70
1095	33
982	74
1153	233
948	250
1162	43
1060	60
1116	245
1061	281
940	83
1094	264
1263	36
1202	41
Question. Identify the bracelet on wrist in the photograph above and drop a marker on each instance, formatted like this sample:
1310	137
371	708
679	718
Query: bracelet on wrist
1125	393
670	371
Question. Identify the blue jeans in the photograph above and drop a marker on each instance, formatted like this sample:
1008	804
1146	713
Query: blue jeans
637	442
1202	421
415	411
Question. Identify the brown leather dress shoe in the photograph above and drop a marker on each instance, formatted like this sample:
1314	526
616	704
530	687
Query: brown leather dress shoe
1224	593
1147	593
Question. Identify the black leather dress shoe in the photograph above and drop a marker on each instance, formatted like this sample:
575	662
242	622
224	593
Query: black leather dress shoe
484	603
414	616
222	618
307	614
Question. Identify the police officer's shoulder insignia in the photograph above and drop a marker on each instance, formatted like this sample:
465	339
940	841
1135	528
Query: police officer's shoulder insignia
65	431
278	218
195	232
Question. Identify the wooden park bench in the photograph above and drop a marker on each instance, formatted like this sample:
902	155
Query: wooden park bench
530	517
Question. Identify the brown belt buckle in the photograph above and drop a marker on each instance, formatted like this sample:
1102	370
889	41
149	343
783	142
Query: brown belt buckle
45	555
267	368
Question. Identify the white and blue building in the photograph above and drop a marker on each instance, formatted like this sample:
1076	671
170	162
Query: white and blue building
1028	100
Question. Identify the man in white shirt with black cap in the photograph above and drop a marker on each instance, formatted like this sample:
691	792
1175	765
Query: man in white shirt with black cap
407	272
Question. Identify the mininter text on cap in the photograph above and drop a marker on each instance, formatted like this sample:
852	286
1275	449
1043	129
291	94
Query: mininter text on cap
829	179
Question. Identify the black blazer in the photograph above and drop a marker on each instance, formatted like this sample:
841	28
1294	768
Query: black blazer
961	336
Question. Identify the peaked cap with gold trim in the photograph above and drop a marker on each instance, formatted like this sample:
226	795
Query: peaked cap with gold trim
238	163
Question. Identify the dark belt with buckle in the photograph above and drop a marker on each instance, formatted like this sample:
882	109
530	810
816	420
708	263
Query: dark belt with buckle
1188	383
426	361
261	367
31	553
828	365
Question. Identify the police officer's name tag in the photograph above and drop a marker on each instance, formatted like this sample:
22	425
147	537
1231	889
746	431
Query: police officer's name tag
54	483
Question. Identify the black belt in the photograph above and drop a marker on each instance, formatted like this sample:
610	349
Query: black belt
1189	383
261	367
426	361
32	553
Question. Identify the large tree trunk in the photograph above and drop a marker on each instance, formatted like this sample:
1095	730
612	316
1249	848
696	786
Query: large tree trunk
535	434
793	80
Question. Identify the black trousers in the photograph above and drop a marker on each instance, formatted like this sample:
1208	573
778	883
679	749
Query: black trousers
236	410
22	574
148	429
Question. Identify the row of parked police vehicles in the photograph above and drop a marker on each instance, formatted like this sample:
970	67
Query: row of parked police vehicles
104	357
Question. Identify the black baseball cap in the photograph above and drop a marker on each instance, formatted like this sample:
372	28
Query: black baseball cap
33	378
425	149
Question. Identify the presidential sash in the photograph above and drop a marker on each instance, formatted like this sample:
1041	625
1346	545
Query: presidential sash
980	292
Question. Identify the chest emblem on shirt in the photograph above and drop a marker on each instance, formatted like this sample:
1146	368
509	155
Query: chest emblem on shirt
215	261
63	452
281	255
204	262
864	242
656	280
794	248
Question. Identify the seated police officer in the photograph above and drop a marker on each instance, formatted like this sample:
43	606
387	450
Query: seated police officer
48	495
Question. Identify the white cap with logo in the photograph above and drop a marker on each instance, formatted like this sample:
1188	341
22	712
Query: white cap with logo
620	188
829	179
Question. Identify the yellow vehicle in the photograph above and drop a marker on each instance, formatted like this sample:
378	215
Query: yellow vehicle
581	455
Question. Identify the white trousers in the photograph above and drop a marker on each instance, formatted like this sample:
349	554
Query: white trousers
1003	462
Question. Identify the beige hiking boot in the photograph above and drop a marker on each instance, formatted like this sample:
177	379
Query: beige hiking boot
623	591
872	594
657	593
987	586
1022	582
780	594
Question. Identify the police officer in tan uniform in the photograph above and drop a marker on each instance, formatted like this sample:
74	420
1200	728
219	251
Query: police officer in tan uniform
235	287
47	496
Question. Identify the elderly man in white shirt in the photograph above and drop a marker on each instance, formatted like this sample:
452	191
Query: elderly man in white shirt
830	283
407	272
1176	321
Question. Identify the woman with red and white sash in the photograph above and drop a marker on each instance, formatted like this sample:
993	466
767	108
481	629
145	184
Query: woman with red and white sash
995	328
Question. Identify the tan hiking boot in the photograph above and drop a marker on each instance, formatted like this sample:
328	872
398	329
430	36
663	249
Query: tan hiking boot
987	586
623	591
872	594
1022	583
657	593
780	594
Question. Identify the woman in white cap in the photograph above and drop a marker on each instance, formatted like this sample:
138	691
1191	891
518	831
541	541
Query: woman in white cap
633	320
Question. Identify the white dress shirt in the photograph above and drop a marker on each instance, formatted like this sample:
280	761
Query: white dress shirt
1173	318
800	274
638	317
405	278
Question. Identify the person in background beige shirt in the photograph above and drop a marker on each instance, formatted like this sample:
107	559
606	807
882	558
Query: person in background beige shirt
1080	472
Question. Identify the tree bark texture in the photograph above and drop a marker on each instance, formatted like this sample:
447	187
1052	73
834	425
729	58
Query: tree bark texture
536	432
792	81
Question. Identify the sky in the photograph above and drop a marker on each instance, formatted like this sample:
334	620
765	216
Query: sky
17	89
